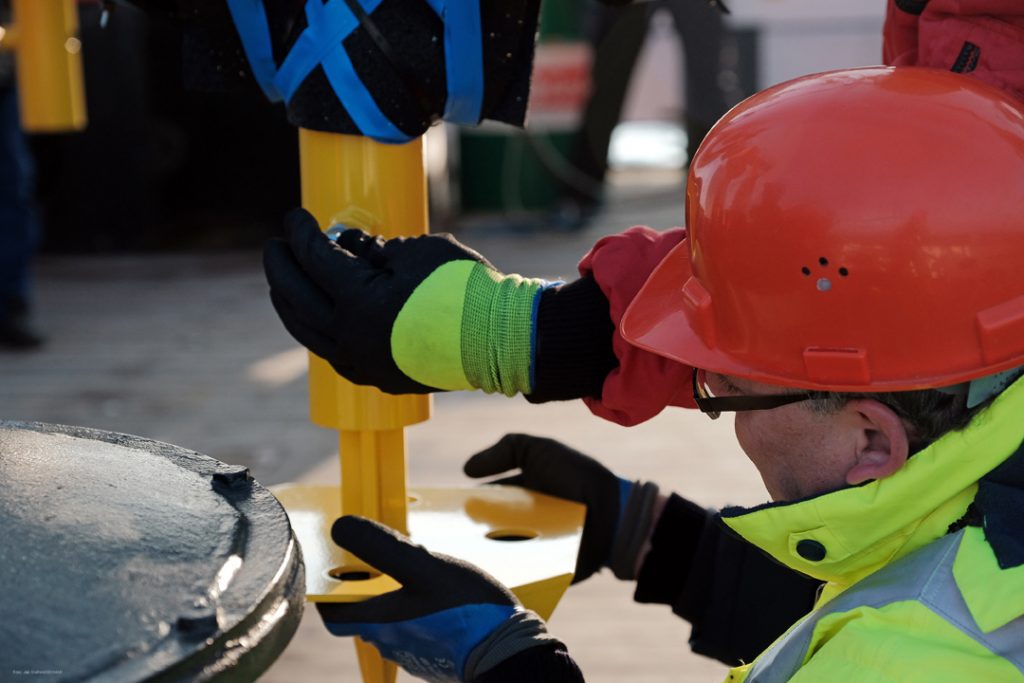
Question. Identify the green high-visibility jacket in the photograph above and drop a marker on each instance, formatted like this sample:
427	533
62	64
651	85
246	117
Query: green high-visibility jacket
915	589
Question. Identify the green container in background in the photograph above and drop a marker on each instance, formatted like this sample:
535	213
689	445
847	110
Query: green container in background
504	169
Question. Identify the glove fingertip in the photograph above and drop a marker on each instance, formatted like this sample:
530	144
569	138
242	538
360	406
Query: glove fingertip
344	527
297	219
277	260
494	459
479	465
306	238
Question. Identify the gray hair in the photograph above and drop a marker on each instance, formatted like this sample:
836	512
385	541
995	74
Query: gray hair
928	414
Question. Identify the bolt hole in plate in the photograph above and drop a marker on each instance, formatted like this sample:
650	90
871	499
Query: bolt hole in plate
453	521
512	535
351	574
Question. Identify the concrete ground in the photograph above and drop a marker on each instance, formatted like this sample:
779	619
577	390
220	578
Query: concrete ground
185	348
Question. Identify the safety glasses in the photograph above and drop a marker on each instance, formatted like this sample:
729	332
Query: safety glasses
713	406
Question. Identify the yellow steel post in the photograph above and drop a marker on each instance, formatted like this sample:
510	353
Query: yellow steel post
49	65
382	189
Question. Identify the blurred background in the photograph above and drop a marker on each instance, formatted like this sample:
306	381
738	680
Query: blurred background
148	294
162	168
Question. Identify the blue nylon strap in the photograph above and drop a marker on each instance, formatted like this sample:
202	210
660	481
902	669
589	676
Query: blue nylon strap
625	491
301	60
464	62
321	44
533	330
357	99
326	26
251	22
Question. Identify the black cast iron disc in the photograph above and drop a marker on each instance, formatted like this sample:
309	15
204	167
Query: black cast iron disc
125	559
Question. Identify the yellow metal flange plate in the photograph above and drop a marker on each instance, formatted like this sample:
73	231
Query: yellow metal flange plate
478	525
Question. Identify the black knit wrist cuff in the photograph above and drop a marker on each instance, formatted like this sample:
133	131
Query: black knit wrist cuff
521	631
573	352
634	525
545	663
673	547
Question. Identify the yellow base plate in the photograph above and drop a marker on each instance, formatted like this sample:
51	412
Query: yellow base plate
526	540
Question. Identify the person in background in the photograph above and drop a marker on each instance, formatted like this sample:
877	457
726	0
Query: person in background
19	223
617	34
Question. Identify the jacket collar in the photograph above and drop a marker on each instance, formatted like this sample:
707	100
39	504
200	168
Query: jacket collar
844	535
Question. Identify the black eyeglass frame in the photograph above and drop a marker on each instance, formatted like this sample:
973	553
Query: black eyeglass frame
714	406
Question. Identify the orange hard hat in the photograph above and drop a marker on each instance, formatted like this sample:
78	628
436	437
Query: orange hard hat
857	230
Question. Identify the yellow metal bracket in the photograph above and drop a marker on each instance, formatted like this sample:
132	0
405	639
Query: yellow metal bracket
527	540
44	37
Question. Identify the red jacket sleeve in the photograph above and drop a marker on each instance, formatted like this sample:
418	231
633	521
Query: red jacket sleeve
982	38
644	383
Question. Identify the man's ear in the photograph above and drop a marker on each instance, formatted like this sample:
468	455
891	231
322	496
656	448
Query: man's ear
883	445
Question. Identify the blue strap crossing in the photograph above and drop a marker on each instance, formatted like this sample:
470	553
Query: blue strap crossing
321	44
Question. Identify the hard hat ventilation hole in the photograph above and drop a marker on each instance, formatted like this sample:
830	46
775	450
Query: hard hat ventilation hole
843	272
823	261
805	270
824	284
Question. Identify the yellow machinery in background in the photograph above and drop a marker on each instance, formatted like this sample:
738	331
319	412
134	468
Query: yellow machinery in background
44	35
528	541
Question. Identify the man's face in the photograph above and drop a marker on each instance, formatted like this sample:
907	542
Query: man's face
799	452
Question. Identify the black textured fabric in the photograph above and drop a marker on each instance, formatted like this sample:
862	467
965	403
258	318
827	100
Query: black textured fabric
741	600
522	631
215	61
673	547
510	33
737	599
1000	500
414	32
543	664
574	351
212	56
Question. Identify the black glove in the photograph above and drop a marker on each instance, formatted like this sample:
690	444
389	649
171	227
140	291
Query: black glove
619	512
449	621
426	313
407	315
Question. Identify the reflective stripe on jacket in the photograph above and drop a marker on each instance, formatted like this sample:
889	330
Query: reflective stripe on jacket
906	599
919	598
